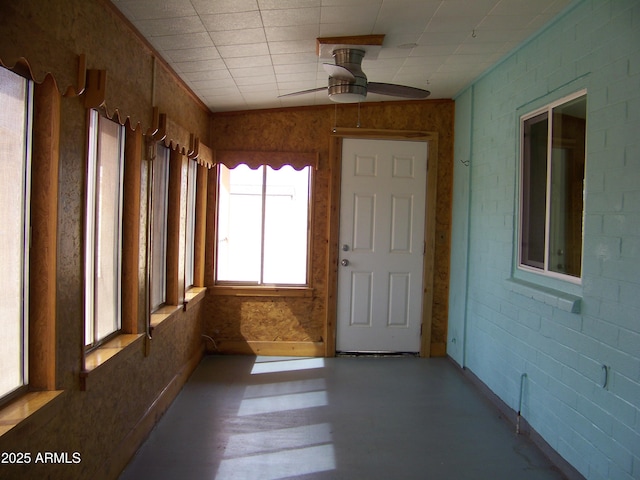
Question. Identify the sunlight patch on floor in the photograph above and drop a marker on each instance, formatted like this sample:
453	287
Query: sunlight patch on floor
287	365
280	403
282	464
284	388
278	453
245	444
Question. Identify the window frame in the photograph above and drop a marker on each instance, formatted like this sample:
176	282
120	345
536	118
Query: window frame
544	271
166	154
308	260
25	227
190	225
94	117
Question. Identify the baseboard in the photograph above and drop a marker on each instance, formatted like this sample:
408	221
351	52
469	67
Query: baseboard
293	349
438	349
511	416
139	433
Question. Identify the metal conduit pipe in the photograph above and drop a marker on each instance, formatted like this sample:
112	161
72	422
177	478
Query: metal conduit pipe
522	377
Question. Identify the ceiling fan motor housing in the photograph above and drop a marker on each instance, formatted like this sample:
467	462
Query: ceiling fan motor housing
348	91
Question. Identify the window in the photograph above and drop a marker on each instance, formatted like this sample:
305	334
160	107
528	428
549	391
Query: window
103	244
263	225
553	143
159	206
15	144
192	176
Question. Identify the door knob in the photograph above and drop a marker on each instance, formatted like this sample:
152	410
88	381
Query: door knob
344	262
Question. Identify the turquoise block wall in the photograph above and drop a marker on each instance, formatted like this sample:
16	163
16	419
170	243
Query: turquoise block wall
565	337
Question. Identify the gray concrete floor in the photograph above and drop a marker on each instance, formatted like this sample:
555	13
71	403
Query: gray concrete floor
334	418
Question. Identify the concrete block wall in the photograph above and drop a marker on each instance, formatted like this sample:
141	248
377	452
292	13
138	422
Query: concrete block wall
566	338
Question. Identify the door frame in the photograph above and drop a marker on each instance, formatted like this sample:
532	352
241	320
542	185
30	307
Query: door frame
335	162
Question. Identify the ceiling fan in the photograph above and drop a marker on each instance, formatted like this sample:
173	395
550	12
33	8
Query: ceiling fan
349	84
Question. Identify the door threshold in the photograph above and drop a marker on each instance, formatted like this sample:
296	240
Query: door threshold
377	354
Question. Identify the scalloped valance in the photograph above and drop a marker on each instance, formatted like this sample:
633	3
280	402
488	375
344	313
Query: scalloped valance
173	136
276	160
205	156
22	67
91	84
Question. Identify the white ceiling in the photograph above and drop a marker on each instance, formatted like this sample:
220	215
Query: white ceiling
242	54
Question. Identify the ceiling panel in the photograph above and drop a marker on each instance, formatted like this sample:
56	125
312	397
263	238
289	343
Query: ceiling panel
206	7
243	54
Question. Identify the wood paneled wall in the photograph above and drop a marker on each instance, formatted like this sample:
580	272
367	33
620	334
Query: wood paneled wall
284	324
125	395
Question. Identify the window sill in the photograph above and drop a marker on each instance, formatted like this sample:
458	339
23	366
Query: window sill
549	296
249	291
163	313
24	407
101	355
193	296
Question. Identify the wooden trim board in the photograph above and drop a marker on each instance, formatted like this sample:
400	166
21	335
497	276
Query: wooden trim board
293	349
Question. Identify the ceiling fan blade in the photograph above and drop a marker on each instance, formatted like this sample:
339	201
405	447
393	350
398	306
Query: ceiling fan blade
302	92
397	90
338	72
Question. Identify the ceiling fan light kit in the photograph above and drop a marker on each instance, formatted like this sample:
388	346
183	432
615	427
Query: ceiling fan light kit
347	82
341	88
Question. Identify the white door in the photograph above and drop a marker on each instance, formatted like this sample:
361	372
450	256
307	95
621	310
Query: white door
382	221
